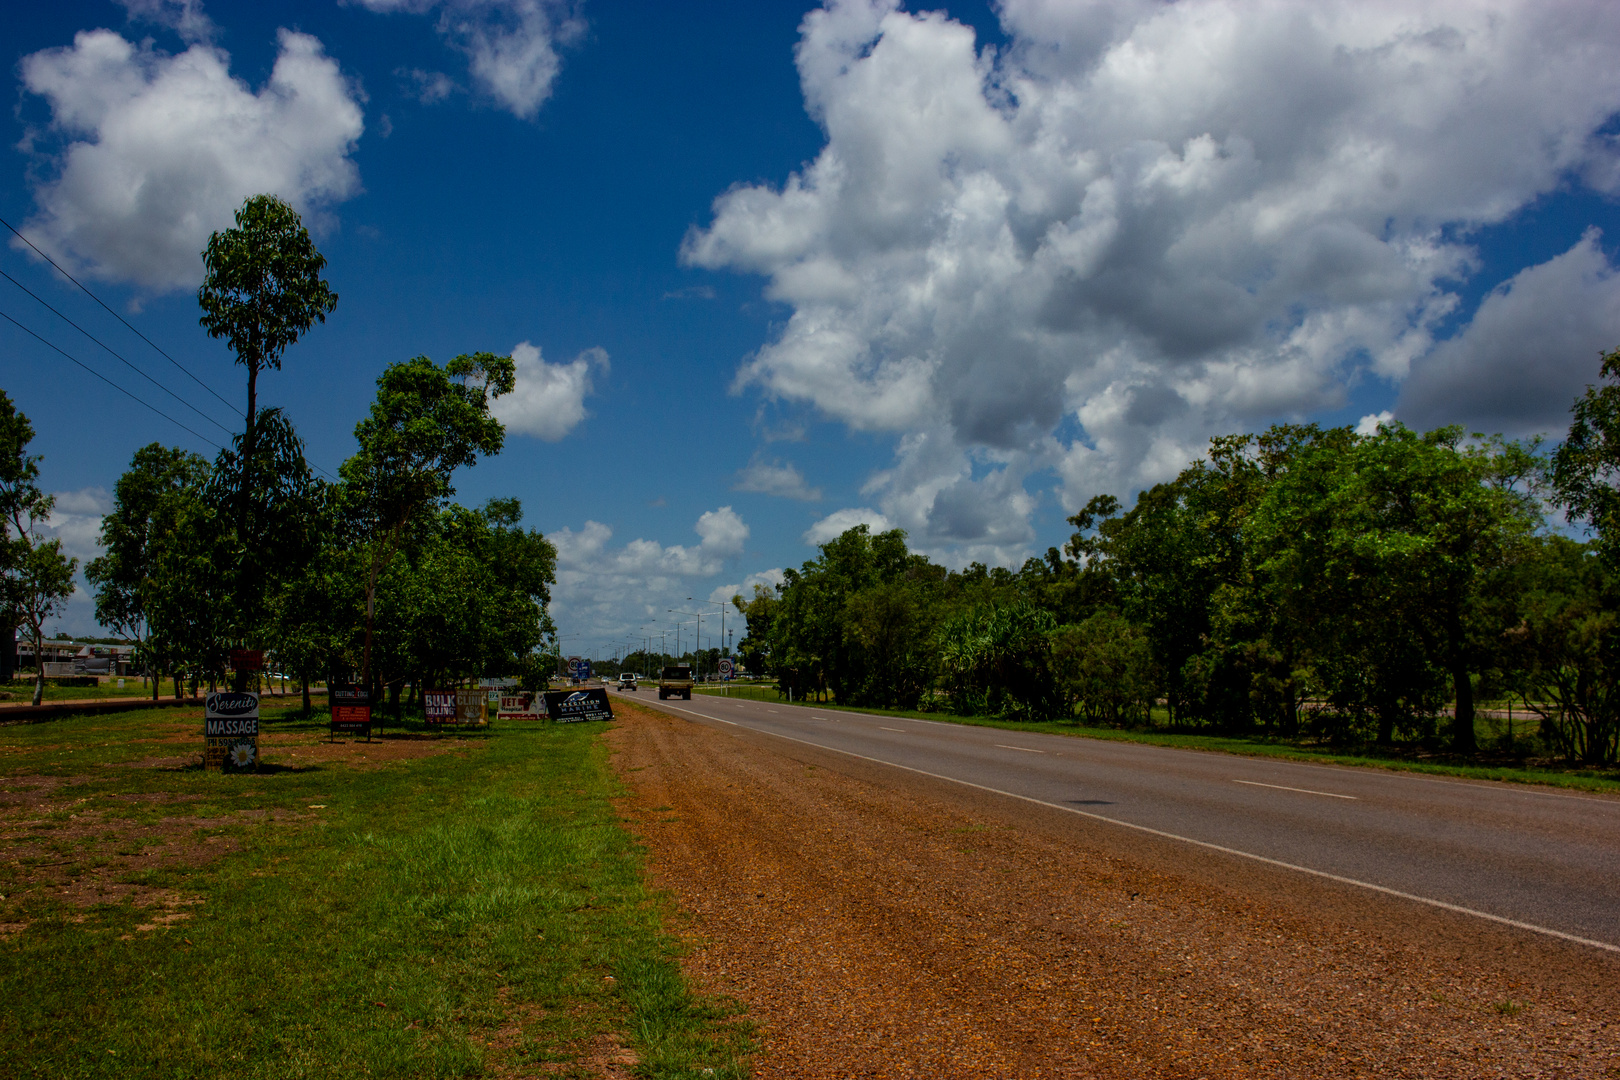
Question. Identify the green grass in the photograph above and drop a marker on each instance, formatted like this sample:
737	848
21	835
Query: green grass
1583	779
448	915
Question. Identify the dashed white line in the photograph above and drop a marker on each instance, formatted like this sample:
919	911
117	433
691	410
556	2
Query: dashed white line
1025	749
1301	790
899	729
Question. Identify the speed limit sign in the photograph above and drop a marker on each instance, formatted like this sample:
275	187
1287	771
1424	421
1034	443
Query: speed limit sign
725	668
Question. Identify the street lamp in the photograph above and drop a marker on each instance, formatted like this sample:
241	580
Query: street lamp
697	639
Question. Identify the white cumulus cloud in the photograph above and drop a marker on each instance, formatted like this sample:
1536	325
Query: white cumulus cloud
1527	354
612	590
549	399
146	153
775	478
841	521
510	45
184	17
76	521
1139	224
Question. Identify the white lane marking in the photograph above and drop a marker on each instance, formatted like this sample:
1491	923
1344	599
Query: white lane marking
1025	749
1302	791
818	717
901	730
1457	909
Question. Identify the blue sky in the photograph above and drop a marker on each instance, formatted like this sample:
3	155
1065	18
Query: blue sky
772	269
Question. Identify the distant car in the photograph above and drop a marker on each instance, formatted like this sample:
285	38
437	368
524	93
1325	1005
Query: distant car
627	680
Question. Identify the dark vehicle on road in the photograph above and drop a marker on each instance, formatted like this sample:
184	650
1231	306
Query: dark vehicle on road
675	681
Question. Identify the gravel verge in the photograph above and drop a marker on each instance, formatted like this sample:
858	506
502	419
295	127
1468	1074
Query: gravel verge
878	924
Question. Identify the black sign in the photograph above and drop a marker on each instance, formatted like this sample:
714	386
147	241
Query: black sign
566	706
351	711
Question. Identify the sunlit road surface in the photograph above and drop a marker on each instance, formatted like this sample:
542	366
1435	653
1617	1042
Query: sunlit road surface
1545	861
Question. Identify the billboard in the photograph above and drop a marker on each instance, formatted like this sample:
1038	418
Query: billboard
567	706
519	707
439	706
470	706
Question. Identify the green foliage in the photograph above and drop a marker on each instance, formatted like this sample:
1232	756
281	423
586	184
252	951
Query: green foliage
1566	652
1104	667
262	287
759	618
145	500
1586	468
996	658
425	423
35	577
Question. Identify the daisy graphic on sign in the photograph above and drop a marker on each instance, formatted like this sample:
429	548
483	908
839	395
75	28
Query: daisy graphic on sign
242	755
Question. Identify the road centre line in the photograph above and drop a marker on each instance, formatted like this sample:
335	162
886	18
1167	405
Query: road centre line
1302	791
1025	749
1457	909
901	730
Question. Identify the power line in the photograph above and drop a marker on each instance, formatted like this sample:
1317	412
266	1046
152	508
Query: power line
109	382
119	317
120	359
131	366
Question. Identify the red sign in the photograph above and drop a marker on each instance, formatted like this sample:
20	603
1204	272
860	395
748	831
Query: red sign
247	659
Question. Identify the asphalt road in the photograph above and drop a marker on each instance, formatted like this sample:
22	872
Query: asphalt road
1545	861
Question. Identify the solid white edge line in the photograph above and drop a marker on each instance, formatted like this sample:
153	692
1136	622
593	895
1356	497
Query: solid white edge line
1301	790
1341	879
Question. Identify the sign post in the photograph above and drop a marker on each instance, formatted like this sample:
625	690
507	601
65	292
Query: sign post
351	712
231	732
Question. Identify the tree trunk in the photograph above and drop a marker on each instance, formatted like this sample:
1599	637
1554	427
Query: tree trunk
1462	726
305	679
39	670
1386	726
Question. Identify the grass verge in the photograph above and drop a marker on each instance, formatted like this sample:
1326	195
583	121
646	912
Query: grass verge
415	907
1581	779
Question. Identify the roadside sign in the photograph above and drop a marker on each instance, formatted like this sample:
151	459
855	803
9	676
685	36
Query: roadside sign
247	659
725	667
470	705
519	707
231	732
439	706
568	706
573	666
351	712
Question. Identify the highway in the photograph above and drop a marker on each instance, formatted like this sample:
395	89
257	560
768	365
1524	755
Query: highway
1546	862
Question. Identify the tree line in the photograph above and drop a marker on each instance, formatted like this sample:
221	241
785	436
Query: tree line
375	577
1303	582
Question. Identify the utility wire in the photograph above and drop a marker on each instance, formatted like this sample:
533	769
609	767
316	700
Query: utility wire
119	317
109	382
120	359
131	366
